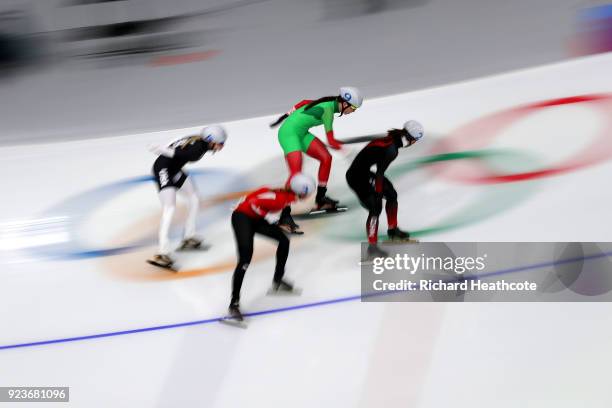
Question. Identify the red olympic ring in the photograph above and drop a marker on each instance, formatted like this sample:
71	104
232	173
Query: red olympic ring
478	134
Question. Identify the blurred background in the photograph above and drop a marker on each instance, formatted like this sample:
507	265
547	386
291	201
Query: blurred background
513	157
72	69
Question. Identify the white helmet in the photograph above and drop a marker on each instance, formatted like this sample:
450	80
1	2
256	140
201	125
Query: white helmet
302	185
414	129
214	134
352	96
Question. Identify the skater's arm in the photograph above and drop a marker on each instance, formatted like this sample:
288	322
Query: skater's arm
328	124
275	204
162	150
271	202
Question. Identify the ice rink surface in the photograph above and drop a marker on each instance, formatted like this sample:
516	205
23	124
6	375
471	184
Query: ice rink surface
81	308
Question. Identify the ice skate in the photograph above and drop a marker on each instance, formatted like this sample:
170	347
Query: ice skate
162	261
327	205
372	253
287	224
283	288
397	235
234	317
192	244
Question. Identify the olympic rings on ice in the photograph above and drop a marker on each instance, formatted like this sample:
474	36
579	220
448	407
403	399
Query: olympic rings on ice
489	201
81	206
479	133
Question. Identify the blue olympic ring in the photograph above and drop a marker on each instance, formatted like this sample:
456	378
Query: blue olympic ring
81	206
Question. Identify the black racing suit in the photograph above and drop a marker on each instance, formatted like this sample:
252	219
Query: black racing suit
371	187
168	170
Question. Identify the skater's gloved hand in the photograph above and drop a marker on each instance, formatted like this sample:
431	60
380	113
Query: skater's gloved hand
334	144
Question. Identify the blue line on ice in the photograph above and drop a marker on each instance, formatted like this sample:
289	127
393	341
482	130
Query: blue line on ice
296	307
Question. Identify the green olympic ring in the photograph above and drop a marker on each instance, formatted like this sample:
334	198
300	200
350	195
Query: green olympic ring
492	200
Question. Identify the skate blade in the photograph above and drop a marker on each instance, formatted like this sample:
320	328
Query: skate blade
328	211
280	293
401	241
203	247
230	321
167	267
291	232
369	262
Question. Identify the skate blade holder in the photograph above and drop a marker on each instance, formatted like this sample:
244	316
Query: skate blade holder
289	231
171	268
328	211
232	322
202	247
294	292
401	241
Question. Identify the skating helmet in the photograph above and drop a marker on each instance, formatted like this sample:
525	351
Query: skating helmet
414	129
352	95
214	134
302	185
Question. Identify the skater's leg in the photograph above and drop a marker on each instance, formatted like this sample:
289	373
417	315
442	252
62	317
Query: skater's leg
290	140
363	188
243	232
167	197
294	164
391	209
372	228
282	251
374	205
291	143
318	151
191	194
390	196
394	233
